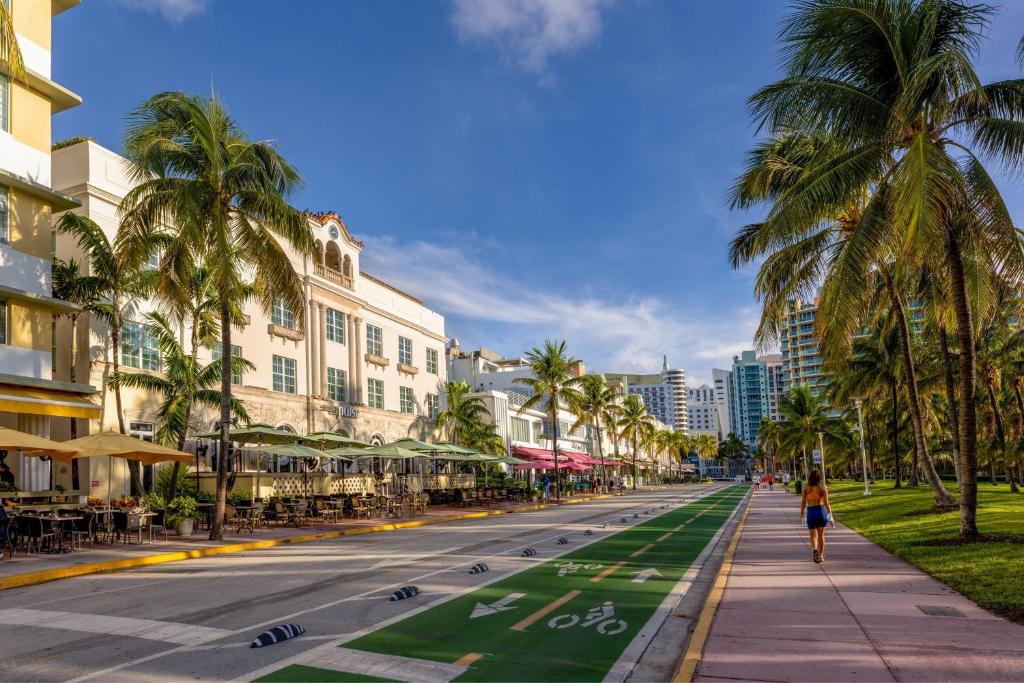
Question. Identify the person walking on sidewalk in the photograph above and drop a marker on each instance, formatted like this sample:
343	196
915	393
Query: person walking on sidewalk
785	480
815	507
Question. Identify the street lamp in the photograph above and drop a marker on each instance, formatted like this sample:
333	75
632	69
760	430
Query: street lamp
821	449
863	457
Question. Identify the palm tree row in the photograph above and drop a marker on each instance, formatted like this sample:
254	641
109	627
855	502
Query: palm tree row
874	178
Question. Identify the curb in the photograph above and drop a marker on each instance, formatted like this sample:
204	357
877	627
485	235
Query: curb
47	575
695	648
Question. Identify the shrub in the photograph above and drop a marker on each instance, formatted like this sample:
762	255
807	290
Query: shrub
180	509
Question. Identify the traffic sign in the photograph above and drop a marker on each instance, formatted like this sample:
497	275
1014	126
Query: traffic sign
816	456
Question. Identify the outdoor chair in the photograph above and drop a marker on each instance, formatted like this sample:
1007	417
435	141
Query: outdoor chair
244	520
257	515
83	530
230	514
156	525
126	524
38	534
360	508
278	513
6	535
420	502
297	514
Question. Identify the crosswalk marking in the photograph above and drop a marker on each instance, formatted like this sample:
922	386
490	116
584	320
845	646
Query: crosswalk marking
393	667
148	629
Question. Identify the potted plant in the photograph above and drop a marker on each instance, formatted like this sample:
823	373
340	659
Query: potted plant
182	514
60	490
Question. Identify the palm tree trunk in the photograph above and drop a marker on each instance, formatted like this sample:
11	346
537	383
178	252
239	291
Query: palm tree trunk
1000	433
172	489
896	431
75	477
954	413
115	341
968	414
635	446
600	449
217	527
921	457
554	445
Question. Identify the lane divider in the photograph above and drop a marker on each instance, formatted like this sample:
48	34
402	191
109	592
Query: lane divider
608	572
544	611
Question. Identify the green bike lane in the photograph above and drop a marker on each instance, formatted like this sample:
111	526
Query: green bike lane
569	618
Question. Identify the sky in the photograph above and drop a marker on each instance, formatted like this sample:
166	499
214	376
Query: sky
531	169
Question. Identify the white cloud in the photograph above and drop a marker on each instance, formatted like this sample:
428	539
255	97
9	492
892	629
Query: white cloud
630	334
175	11
529	32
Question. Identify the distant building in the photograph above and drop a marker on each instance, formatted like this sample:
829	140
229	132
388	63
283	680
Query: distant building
723	398
801	353
754	387
702	410
664	394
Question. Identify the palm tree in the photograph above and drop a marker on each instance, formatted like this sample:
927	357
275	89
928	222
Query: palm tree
462	413
183	383
116	277
804	417
894	82
706	446
11	60
768	437
556	383
677	444
732	448
226	197
634	421
596	401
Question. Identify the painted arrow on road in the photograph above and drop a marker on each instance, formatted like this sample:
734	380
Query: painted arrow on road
645	574
502	605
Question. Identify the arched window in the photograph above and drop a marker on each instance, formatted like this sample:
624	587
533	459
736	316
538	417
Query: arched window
346	266
332	256
377	440
319	256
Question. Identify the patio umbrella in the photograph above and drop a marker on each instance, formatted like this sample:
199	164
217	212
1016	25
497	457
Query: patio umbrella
331	439
259	434
423	448
30	444
389	452
116	445
298	452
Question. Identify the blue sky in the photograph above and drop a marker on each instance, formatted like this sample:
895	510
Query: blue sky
530	168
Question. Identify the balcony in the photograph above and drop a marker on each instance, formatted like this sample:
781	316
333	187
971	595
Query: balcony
285	332
377	360
335	276
408	369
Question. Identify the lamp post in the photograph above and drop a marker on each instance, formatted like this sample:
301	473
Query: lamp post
821	449
863	457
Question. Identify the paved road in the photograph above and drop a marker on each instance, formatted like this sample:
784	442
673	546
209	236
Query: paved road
196	619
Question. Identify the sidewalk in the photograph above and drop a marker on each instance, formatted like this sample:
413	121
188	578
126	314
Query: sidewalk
865	615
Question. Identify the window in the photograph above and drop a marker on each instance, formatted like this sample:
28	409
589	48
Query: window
284	375
406	400
433	405
3	322
375	393
5	203
5	104
432	361
282	314
335	326
153	263
337	380
138	346
374	340
405	351
236	352
520	429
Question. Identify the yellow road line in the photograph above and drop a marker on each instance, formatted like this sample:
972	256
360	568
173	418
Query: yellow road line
468	659
544	611
610	570
695	649
664	536
642	550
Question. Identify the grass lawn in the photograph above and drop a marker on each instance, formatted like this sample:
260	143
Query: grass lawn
901	521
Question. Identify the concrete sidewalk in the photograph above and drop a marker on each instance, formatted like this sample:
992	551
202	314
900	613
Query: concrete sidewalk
865	615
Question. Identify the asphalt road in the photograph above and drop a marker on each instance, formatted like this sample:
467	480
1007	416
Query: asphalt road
195	619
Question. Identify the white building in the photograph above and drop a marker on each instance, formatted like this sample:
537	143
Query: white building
702	408
369	362
723	396
664	394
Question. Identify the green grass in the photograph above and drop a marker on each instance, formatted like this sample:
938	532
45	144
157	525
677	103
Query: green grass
309	674
901	521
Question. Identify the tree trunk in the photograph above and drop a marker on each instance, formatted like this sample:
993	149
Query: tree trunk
635	446
922	459
217	527
600	450
968	414
75	476
554	445
1000	432
115	341
896	431
954	412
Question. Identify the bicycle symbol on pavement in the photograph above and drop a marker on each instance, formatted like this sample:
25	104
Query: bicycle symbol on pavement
573	567
602	616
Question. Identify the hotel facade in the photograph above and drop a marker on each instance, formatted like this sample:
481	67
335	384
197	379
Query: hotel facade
369	362
30	395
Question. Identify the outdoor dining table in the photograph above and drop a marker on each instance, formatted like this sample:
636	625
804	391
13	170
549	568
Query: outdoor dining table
393	506
206	509
293	506
102	513
59	521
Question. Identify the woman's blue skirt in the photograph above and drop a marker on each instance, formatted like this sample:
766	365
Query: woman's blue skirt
817	517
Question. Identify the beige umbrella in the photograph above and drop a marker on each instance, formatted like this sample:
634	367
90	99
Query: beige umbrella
116	445
30	444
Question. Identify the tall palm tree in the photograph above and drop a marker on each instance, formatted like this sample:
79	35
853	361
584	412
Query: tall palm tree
634	421
678	445
804	417
596	401
462	413
11	60
227	198
116	277
183	384
769	436
894	82
706	446
555	383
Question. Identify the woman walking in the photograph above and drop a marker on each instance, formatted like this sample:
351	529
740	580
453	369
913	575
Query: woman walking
815	506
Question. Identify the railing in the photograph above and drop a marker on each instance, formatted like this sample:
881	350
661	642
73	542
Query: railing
333	275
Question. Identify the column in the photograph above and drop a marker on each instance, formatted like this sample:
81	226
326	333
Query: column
322	340
350	342
358	339
35	473
314	344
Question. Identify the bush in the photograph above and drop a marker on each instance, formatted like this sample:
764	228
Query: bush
240	498
180	509
154	502
186	484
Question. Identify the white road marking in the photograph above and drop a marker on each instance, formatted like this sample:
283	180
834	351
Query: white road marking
386	666
148	629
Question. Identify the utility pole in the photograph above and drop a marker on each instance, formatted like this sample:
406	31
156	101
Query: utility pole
821	449
863	456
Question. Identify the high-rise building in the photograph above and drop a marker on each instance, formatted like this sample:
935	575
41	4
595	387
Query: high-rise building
754	386
801	353
29	396
702	410
723	398
664	394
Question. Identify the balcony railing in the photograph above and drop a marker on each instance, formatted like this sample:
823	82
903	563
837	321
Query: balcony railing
333	275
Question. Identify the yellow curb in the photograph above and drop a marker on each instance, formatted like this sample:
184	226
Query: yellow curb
695	649
33	578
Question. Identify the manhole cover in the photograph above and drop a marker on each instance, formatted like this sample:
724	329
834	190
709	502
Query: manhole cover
940	611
